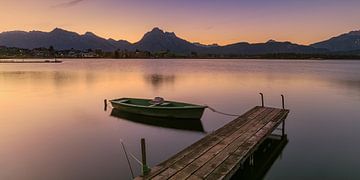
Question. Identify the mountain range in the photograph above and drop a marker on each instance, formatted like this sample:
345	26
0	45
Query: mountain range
157	40
345	42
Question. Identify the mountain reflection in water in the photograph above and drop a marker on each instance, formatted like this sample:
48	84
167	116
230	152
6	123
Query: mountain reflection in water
158	80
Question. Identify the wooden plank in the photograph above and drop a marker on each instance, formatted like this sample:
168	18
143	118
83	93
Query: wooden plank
205	143
205	170
223	171
215	146
212	159
200	143
219	154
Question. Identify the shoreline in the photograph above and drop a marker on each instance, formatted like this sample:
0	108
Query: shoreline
13	61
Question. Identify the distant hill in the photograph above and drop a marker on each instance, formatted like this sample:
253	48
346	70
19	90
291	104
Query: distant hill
158	40
60	39
269	47
345	42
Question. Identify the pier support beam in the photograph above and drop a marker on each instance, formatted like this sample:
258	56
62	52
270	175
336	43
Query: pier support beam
251	160
283	129
283	122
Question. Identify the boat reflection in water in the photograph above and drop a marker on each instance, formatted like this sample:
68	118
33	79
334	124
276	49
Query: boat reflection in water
263	158
181	124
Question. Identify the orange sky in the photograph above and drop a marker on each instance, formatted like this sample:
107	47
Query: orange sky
208	22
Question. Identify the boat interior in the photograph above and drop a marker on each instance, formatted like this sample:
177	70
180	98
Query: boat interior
151	103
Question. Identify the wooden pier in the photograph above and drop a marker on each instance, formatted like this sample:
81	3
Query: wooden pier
221	153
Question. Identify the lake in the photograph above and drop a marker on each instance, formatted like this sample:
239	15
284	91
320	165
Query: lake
54	126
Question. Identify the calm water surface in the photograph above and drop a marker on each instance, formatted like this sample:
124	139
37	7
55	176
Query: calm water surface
53	123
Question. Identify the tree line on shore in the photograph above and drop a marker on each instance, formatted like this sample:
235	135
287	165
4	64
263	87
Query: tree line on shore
46	53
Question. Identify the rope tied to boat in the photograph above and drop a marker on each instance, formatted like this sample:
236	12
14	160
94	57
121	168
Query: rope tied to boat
223	113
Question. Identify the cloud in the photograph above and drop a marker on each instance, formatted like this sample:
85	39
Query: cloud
68	4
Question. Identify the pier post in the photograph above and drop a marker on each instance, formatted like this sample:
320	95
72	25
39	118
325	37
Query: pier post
145	168
283	129
262	99
283	101
251	160
105	104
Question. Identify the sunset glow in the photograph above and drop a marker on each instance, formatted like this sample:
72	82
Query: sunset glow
222	22
195	89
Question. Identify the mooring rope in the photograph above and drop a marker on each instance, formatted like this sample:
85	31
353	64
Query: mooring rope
226	114
131	154
135	158
127	158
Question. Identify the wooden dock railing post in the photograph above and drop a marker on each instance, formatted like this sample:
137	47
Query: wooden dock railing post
262	99
145	167
283	101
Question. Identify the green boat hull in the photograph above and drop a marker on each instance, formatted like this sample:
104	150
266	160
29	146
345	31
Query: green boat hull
170	109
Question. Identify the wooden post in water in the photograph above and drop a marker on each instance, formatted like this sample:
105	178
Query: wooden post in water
105	104
262	99
283	101
145	168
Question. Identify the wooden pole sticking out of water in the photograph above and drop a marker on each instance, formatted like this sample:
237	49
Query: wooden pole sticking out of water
145	168
105	104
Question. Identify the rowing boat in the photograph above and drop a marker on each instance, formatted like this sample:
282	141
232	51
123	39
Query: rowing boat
158	107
